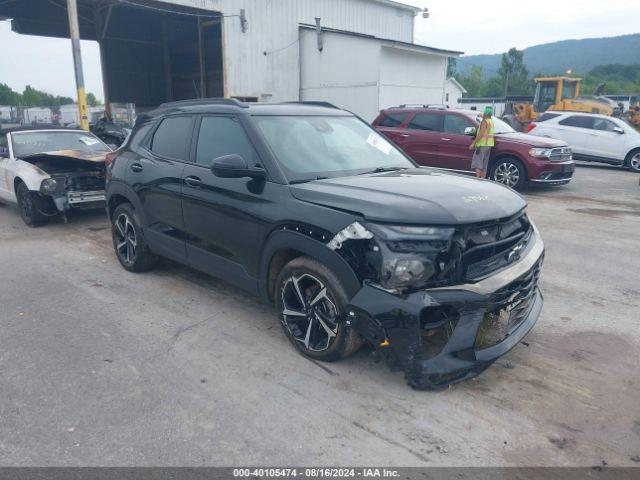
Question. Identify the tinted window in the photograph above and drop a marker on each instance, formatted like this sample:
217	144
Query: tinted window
603	124
456	124
427	121
223	136
172	138
579	121
3	141
392	119
547	116
139	135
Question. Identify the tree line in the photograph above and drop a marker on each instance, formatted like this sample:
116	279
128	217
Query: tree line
31	97
513	78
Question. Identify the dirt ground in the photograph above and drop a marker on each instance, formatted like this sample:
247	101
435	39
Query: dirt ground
102	367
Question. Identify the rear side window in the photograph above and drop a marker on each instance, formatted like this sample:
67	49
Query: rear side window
172	138
139	135
223	136
580	121
456	124
392	119
427	121
547	116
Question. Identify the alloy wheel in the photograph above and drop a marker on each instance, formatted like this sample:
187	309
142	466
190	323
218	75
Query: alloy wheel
308	312
507	174
126	240
26	204
634	163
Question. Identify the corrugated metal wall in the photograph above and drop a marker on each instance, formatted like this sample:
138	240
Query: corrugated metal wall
273	28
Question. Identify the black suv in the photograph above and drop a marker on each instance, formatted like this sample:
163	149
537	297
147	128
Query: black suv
309	207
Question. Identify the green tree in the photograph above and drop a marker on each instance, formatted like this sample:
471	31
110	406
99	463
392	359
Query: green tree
92	101
452	66
472	82
513	73
8	96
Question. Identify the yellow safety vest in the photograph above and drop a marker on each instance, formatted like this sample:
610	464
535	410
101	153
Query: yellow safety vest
486	138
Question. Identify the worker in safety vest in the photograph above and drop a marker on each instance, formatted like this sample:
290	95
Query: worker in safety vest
482	144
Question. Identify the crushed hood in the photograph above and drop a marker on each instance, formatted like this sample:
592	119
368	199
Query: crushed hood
73	154
415	196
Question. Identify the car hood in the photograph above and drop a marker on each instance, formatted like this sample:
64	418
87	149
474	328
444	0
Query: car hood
415	196
525	138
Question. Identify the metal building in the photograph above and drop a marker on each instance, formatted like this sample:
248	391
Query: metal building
355	53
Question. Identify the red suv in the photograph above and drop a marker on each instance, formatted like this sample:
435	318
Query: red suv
441	138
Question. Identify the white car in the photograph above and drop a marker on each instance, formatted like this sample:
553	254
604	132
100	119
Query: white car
592	138
49	171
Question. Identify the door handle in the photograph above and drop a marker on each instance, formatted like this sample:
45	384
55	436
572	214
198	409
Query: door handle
194	182
445	139
136	167
404	135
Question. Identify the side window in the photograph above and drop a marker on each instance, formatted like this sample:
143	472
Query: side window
547	116
223	136
3	141
579	121
456	124
603	124
392	119
427	121
172	138
139	135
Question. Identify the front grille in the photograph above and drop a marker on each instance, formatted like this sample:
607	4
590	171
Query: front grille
508	308
88	183
562	154
491	246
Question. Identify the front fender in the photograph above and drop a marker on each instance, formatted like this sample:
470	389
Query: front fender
287	239
28	173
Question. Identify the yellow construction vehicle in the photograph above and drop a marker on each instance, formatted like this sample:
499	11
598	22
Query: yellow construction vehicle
563	94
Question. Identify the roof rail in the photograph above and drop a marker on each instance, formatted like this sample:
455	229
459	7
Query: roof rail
199	101
313	103
422	105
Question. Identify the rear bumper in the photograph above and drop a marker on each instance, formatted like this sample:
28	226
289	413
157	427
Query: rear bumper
445	335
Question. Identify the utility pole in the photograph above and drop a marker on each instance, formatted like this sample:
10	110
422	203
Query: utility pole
74	33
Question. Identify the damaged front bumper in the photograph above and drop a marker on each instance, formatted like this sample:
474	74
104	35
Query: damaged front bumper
445	335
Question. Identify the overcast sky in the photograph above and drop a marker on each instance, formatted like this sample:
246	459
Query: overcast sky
472	26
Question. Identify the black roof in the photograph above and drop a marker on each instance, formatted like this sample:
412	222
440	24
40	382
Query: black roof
27	128
232	105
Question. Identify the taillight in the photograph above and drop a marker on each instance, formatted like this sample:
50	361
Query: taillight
109	158
531	126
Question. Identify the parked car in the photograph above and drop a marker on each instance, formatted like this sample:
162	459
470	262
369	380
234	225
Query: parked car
49	171
441	138
312	209
593	138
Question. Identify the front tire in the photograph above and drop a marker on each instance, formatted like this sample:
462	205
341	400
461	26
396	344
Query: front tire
509	171
311	302
29	206
632	162
128	242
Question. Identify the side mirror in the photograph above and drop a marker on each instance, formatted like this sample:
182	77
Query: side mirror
471	131
618	130
234	166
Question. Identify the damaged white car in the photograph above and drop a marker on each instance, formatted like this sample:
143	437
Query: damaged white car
49	171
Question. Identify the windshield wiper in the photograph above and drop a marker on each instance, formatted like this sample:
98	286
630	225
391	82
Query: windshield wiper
384	169
306	180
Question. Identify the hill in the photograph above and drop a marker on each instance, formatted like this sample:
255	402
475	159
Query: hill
554	58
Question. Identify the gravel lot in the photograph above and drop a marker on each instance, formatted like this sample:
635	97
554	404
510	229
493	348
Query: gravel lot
102	367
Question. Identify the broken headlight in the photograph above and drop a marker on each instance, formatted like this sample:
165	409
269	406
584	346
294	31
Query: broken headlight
49	185
412	256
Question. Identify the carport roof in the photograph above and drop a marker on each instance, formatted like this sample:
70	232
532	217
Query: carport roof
387	42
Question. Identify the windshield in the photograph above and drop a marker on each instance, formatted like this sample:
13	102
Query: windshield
499	125
310	147
30	143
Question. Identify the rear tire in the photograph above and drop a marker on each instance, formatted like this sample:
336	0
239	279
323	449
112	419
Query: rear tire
632	162
29	205
128	241
509	171
311	302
